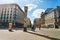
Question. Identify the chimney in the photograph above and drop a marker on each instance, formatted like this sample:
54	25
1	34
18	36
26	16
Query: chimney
25	10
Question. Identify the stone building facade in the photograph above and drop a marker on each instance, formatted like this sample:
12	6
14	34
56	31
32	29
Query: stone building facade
28	21
52	18
12	13
43	19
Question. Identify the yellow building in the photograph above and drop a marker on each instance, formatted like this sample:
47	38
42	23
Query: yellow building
37	22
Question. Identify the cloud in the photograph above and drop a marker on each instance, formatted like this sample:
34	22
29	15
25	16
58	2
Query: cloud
41	1
6	1
37	13
20	2
29	1
30	6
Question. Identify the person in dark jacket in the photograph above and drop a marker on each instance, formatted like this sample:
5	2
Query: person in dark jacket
33	28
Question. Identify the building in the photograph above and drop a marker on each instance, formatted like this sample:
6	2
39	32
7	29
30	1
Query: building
28	22
52	18
37	22
43	19
12	13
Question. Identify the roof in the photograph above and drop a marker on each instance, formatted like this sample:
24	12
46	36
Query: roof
19	7
57	7
48	9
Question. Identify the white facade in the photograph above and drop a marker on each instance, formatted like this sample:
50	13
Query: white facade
52	18
12	13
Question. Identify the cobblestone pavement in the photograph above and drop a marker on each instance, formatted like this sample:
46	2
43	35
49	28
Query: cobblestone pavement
52	34
43	34
19	35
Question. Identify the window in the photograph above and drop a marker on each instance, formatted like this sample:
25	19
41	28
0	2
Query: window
10	17
10	20
7	17
7	20
11	10
1	16
4	14
59	14
10	14
2	10
5	10
8	11
4	17
7	14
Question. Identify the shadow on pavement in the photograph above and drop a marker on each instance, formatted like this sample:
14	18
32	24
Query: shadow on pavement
12	29
3	28
17	29
44	36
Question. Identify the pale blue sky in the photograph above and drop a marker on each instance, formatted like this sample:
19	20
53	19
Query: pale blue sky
35	7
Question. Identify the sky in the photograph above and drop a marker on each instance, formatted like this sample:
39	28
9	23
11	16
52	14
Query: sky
35	7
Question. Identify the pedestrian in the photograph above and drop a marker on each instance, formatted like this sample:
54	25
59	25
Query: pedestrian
10	27
39	27
33	28
25	27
